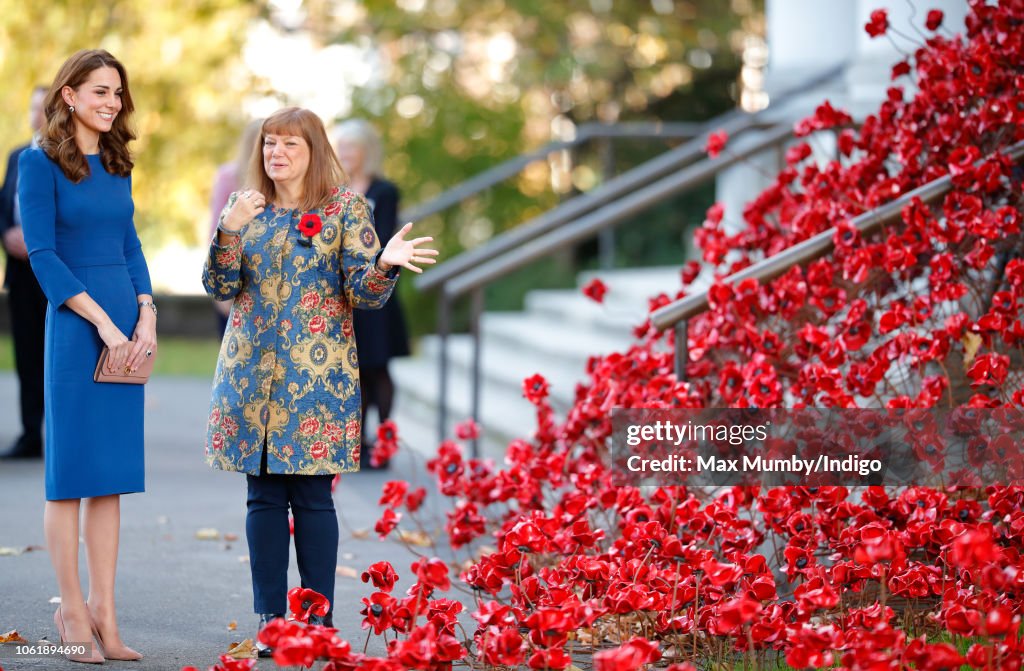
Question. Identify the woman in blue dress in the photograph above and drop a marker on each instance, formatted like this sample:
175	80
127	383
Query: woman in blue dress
76	202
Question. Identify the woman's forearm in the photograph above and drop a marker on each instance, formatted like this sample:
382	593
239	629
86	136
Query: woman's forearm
83	305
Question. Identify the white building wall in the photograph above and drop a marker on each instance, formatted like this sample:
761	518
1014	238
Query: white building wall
806	37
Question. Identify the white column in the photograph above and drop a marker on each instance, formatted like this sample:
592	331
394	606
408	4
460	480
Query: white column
807	36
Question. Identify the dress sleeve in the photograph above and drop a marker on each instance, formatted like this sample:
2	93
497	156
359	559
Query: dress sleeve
222	272
365	286
137	267
37	197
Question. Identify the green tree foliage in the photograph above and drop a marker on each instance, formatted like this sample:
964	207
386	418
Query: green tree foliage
183	62
466	85
472	83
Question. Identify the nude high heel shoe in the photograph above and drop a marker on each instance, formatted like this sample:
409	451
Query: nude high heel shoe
94	657
126	655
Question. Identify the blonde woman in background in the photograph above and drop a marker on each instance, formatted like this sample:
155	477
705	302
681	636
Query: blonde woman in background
380	334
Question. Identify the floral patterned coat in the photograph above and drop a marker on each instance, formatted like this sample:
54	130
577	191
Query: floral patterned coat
288	374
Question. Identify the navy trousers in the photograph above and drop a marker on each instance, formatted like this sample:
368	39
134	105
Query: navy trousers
266	529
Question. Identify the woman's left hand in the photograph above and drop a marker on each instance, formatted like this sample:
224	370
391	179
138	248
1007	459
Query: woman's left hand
144	338
407	253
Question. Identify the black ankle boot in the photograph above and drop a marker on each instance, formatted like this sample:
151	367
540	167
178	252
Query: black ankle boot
322	620
263	650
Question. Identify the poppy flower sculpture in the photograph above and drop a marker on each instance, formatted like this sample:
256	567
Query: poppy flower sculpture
563	566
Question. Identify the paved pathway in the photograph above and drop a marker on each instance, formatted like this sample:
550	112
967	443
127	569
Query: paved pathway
176	593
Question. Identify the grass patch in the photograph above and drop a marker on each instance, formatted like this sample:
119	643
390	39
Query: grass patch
193	357
6	352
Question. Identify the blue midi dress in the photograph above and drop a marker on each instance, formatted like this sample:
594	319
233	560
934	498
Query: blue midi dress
81	237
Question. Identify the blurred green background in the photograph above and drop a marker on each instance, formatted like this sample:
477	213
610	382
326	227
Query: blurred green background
454	88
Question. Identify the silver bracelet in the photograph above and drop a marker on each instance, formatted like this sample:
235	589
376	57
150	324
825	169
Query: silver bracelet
231	234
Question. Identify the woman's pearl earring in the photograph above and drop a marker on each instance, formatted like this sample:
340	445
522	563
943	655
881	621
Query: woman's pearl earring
71	108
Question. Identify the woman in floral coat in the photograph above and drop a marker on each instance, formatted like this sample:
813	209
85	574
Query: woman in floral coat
296	253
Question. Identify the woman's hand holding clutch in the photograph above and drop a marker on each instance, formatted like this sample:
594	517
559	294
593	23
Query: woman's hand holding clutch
117	342
143	340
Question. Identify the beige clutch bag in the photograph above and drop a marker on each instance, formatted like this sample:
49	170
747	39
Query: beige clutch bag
106	373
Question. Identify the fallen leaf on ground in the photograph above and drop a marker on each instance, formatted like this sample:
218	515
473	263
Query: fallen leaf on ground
231	537
12	637
971	343
347	556
232	625
207	535
55	599
347	572
417	538
244	650
10	552
361	533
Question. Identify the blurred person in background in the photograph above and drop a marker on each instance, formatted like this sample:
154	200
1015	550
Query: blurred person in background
296	251
380	334
228	180
25	300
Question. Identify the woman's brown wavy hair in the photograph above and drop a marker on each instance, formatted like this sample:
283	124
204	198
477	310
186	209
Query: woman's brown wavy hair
57	137
324	172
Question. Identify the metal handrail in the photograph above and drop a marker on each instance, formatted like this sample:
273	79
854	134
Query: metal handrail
474	280
637	201
571	210
677	313
513	166
732	122
471	270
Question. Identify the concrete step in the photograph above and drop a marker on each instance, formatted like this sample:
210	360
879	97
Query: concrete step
555	336
549	340
618	320
506	366
505	414
633	286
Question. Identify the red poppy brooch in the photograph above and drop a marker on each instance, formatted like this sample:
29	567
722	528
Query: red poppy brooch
309	226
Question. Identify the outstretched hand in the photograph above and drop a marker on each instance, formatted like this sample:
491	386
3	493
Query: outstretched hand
407	253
